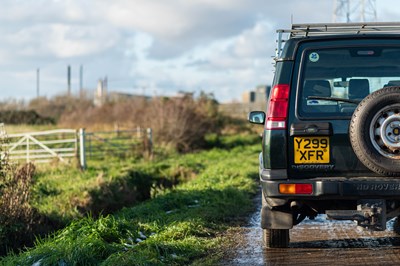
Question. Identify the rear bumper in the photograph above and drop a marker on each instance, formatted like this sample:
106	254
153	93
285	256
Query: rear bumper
338	188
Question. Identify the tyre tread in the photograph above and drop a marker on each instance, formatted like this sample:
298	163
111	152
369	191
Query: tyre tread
276	238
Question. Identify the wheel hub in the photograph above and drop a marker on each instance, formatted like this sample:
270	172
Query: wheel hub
396	131
389	131
385	131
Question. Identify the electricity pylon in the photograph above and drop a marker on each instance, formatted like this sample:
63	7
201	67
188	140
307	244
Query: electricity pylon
354	11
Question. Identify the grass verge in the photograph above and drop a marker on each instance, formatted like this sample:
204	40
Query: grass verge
177	227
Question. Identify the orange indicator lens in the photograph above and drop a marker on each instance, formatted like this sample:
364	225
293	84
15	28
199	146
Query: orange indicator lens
295	188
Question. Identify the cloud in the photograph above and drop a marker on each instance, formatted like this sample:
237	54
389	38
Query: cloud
224	67
222	46
175	26
178	26
62	40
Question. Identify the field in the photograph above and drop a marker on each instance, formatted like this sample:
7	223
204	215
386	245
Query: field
172	210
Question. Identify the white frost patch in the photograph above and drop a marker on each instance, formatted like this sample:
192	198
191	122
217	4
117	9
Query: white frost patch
62	263
38	263
128	245
196	204
142	236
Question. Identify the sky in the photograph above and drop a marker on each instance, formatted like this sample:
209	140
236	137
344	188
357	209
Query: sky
155	47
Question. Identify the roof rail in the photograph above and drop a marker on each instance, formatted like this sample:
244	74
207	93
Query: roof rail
323	29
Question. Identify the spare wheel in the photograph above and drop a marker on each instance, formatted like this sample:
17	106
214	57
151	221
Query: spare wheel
375	131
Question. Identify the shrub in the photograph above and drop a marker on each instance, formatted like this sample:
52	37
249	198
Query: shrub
57	106
17	216
128	113
29	117
15	195
181	122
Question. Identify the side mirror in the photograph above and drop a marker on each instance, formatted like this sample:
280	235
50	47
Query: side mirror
256	117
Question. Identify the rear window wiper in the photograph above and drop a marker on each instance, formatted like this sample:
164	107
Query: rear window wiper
333	99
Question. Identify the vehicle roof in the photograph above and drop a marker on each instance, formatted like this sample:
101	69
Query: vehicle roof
333	31
291	44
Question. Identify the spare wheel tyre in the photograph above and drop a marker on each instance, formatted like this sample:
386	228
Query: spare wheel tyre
375	131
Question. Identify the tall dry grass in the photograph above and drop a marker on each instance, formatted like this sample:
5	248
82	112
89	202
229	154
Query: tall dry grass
19	221
178	122
181	123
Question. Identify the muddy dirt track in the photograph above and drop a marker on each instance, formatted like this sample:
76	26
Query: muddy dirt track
317	242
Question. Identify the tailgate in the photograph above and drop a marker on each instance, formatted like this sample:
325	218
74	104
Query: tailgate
322	149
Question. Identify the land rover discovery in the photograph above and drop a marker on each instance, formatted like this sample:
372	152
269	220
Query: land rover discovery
331	138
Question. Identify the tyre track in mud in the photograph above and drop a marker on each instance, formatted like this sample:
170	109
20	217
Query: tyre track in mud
317	241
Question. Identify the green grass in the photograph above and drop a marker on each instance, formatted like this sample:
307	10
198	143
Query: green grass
67	192
177	227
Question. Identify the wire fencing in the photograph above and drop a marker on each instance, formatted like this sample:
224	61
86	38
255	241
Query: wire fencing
65	145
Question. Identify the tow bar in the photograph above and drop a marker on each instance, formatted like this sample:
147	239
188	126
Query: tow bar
370	214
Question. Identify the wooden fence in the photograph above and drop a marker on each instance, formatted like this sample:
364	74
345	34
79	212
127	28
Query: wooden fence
65	144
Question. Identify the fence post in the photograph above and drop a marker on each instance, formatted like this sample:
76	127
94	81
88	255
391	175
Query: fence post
116	129
82	153
150	141
27	150
76	144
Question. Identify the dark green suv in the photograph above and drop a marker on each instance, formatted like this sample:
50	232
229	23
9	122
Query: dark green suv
331	139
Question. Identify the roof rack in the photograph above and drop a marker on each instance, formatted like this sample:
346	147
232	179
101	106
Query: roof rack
324	29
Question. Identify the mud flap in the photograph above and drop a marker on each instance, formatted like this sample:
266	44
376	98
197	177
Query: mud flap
274	219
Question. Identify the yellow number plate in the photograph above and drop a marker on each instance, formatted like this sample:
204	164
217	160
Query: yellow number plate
311	150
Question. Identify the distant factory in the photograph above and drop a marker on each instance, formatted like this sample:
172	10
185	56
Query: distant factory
258	95
252	100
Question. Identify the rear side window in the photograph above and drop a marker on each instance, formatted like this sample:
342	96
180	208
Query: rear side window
344	73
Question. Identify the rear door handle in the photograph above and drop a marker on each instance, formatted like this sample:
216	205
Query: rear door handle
314	129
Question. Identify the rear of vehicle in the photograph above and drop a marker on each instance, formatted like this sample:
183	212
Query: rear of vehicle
309	165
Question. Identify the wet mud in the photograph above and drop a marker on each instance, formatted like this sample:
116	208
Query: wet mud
316	242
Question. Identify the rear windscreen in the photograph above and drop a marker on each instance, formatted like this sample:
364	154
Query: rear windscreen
330	76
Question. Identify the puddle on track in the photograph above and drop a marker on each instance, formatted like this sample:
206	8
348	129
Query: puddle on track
319	241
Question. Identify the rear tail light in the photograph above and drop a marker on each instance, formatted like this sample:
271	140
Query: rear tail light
296	189
278	107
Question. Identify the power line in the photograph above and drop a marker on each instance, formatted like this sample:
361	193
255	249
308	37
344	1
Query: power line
69	79
81	80
37	82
